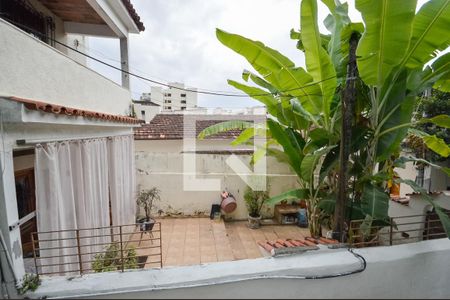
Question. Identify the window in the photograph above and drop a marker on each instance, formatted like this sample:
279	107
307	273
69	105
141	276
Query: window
167	101
168	94
27	18
183	95
169	107
183	101
143	114
183	108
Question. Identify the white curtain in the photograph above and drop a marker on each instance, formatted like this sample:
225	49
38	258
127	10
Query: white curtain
55	207
122	181
71	193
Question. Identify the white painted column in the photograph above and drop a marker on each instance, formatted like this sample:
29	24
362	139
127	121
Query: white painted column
124	60
8	209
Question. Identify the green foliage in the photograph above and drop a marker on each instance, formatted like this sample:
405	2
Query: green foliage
429	138
132	111
111	260
254	200
30	282
305	106
146	199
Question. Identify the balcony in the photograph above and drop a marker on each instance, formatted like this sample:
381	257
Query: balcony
36	65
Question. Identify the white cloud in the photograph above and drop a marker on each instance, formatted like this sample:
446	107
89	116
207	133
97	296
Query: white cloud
179	43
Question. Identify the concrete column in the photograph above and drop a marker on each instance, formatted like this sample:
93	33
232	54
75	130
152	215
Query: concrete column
8	210
124	60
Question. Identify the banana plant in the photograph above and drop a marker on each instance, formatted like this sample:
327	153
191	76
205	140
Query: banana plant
394	54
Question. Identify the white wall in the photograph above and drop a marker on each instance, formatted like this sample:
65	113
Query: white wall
32	132
410	218
435	180
150	111
61	36
32	69
160	164
419	270
176	146
409	172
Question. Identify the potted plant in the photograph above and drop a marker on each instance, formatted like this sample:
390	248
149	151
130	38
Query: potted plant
254	201
145	200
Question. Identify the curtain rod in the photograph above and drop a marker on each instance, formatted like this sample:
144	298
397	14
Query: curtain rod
26	142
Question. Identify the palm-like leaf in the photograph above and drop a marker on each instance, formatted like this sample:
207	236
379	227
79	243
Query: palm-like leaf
224	126
282	137
430	33
386	38
292	194
318	61
335	23
375	202
276	68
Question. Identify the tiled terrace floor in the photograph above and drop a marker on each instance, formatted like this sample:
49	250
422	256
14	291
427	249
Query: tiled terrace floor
190	241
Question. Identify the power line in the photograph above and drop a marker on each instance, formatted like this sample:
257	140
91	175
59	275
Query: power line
105	56
198	91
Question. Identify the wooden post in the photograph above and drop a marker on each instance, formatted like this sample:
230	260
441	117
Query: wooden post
348	100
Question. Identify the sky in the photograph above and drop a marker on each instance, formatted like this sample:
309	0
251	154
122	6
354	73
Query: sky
179	43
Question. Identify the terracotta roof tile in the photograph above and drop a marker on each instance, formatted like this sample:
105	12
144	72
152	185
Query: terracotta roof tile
308	243
69	111
171	126
134	15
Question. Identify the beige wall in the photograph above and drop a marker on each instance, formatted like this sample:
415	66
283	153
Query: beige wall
160	164
176	146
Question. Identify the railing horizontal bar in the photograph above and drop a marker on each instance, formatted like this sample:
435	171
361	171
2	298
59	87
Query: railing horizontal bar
420	223
54	240
47	257
55	248
143	240
59	272
411	216
60	264
94	228
149	247
436	234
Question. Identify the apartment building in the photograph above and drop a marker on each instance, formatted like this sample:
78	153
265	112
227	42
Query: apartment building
176	97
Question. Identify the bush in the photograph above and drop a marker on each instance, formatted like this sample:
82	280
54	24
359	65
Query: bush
254	200
110	260
30	283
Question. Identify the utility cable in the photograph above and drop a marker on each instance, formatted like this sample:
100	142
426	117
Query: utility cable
199	91
362	268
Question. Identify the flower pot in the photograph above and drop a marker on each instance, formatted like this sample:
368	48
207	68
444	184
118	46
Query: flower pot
147	225
254	222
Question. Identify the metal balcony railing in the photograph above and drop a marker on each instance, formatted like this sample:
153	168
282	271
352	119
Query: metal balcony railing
398	230
102	249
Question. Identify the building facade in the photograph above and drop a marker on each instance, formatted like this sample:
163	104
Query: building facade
145	110
65	130
176	97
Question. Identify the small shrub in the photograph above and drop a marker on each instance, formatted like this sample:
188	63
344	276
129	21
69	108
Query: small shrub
30	283
254	201
111	260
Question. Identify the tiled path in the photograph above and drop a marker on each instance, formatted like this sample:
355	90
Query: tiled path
190	241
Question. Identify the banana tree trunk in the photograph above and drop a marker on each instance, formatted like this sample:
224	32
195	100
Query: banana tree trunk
315	228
